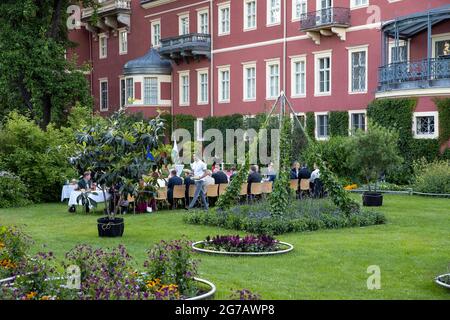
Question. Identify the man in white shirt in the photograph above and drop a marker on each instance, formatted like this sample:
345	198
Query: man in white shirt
200	172
315	174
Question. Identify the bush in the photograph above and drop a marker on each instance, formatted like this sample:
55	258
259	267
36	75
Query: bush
300	216
13	192
39	158
432	177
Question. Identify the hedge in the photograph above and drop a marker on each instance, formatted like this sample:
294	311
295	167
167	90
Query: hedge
338	123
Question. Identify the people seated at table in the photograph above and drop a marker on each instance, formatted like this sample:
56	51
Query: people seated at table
219	176
232	173
253	177
271	173
85	183
209	180
295	169
304	172
173	181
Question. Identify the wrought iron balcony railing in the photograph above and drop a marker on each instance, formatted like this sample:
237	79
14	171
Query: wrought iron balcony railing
188	45
106	7
329	17
426	73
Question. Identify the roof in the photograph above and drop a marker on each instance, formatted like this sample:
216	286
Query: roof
150	63
412	24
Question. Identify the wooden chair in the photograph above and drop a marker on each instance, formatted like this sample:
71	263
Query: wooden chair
132	200
267	187
178	194
304	187
212	191
294	184
256	190
191	190
222	188
244	190
161	196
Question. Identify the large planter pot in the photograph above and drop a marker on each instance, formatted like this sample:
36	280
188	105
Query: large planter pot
443	280
372	199
289	248
111	228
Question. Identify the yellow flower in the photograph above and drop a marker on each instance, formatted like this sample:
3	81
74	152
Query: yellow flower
2	245
351	187
31	295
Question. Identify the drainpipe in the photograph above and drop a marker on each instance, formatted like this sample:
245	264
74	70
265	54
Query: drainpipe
91	73
284	45
211	32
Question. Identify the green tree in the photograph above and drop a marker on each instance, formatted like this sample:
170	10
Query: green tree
373	153
35	77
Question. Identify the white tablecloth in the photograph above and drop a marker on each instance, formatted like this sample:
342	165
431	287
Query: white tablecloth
98	197
67	190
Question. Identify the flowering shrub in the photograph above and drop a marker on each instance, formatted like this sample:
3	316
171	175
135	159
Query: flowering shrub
244	294
172	263
14	244
249	243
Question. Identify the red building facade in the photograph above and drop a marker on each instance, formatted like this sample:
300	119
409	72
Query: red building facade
236	56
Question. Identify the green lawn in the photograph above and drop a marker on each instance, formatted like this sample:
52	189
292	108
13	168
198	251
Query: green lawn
411	250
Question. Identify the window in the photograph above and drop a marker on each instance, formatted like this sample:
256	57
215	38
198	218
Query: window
224	19
249	82
357	121
203	22
123	99
359	3
323	74
273	79
298	77
440	42
322	126
426	125
184	88
250	14
183	24
103	95
400	53
202	85
156	33
130	90
123	42
103	46
224	84
151	91
358	70
273	12
299	8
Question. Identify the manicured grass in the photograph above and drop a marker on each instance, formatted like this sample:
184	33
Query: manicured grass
411	249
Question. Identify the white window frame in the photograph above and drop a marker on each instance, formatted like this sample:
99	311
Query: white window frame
294	60
294	9
101	81
434	114
201	72
156	41
270	63
351	50
316	116
122	89
181	17
182	74
201	12
401	43
299	114
246	27
350	124
245	67
157	91
270	23
354	6
221	7
123	32
317	57
438	37
101	54
220	70
127	102
319	5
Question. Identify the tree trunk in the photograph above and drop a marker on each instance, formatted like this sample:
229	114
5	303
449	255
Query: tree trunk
46	111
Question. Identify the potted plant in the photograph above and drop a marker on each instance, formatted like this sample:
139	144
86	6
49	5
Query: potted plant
371	154
117	155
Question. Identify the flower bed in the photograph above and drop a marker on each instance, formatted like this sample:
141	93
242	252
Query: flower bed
169	273
443	280
248	245
300	216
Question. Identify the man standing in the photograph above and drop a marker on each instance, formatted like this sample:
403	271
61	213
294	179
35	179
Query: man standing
174	180
200	173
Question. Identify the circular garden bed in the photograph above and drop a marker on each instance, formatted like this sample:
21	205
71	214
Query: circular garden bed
443	280
242	246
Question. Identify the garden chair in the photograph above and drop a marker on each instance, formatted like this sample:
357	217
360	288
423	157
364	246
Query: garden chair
222	188
132	201
294	186
178	194
243	193
161	196
304	188
267	187
212	192
256	190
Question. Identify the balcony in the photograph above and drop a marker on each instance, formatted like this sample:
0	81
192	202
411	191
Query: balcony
326	22
111	15
423	74
184	47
